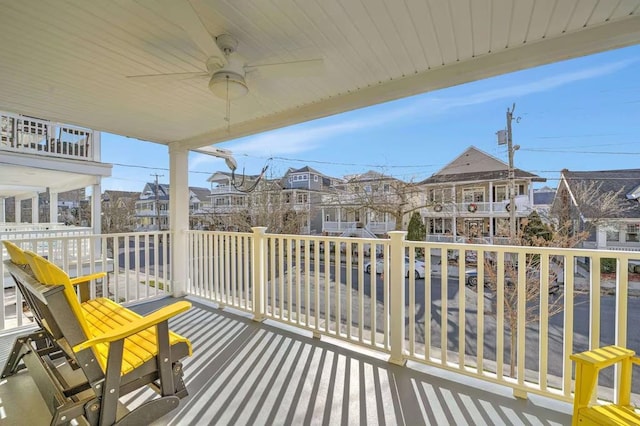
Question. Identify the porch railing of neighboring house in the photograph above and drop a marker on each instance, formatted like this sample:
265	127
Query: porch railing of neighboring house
34	136
137	267
334	226
291	279
381	227
523	207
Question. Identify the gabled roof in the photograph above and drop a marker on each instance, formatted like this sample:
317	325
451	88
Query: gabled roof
606	181
201	193
476	165
370	175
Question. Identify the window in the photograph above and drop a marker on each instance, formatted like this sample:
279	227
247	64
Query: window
500	193
613	235
315	178
367	189
633	233
521	189
473	195
301	198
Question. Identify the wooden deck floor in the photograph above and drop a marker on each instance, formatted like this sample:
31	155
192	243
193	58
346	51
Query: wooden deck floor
249	373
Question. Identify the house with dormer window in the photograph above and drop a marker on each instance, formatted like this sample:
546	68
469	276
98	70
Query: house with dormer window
469	198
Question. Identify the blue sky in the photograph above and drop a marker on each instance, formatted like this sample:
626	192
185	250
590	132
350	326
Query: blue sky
580	114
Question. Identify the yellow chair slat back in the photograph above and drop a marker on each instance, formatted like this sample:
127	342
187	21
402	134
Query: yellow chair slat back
15	253
50	274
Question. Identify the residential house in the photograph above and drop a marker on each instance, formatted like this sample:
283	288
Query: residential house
365	205
200	207
586	199
152	208
303	190
229	199
469	198
542	201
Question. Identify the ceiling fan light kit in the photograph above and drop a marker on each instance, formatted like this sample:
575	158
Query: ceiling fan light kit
228	85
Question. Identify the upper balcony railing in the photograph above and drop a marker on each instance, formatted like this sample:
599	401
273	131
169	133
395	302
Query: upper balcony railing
34	136
497	208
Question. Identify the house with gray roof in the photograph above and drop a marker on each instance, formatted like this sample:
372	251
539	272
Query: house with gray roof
469	198
612	225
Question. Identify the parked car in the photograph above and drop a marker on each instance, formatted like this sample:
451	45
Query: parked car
418	267
471	280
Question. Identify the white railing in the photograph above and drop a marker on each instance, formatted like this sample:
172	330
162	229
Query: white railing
42	230
137	267
381	227
499	208
337	226
34	136
290	278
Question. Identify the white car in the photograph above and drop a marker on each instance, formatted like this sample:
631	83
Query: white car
418	269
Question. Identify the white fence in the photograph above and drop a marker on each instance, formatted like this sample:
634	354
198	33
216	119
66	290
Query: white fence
439	320
137	267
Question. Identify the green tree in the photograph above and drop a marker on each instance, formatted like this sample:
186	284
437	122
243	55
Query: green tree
416	231
534	230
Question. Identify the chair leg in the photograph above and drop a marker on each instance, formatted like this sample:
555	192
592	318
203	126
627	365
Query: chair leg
111	389
21	347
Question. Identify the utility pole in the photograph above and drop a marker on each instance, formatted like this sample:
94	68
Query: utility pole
512	174
157	191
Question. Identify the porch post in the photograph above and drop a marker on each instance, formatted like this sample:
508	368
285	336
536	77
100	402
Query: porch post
35	209
53	207
397	295
96	208
258	267
179	218
18	209
2	211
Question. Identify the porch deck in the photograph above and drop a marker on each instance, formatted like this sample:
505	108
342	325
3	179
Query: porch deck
245	372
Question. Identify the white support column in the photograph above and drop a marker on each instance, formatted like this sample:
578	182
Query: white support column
53	207
179	218
601	237
396	290
259	273
35	209
18	209
491	200
3	217
454	217
96	208
95	148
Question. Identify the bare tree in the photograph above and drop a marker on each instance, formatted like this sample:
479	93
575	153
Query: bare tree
581	207
380	193
118	213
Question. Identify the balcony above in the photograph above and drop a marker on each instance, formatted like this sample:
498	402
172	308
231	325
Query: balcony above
39	154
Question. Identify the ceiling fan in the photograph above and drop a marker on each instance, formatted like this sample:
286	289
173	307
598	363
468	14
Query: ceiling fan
226	70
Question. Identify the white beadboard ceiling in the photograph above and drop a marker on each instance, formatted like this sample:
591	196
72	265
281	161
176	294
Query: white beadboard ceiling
68	60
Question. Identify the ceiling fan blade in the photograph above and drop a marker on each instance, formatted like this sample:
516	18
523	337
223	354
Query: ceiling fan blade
182	13
303	68
169	77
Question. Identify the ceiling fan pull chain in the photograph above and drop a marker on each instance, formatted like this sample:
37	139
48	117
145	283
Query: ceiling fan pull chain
228	117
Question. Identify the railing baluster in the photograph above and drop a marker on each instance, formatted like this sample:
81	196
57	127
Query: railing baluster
543	340
462	308
567	347
621	312
500	316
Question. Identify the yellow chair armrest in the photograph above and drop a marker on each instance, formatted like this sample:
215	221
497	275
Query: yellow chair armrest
603	357
85	278
635	360
136	326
